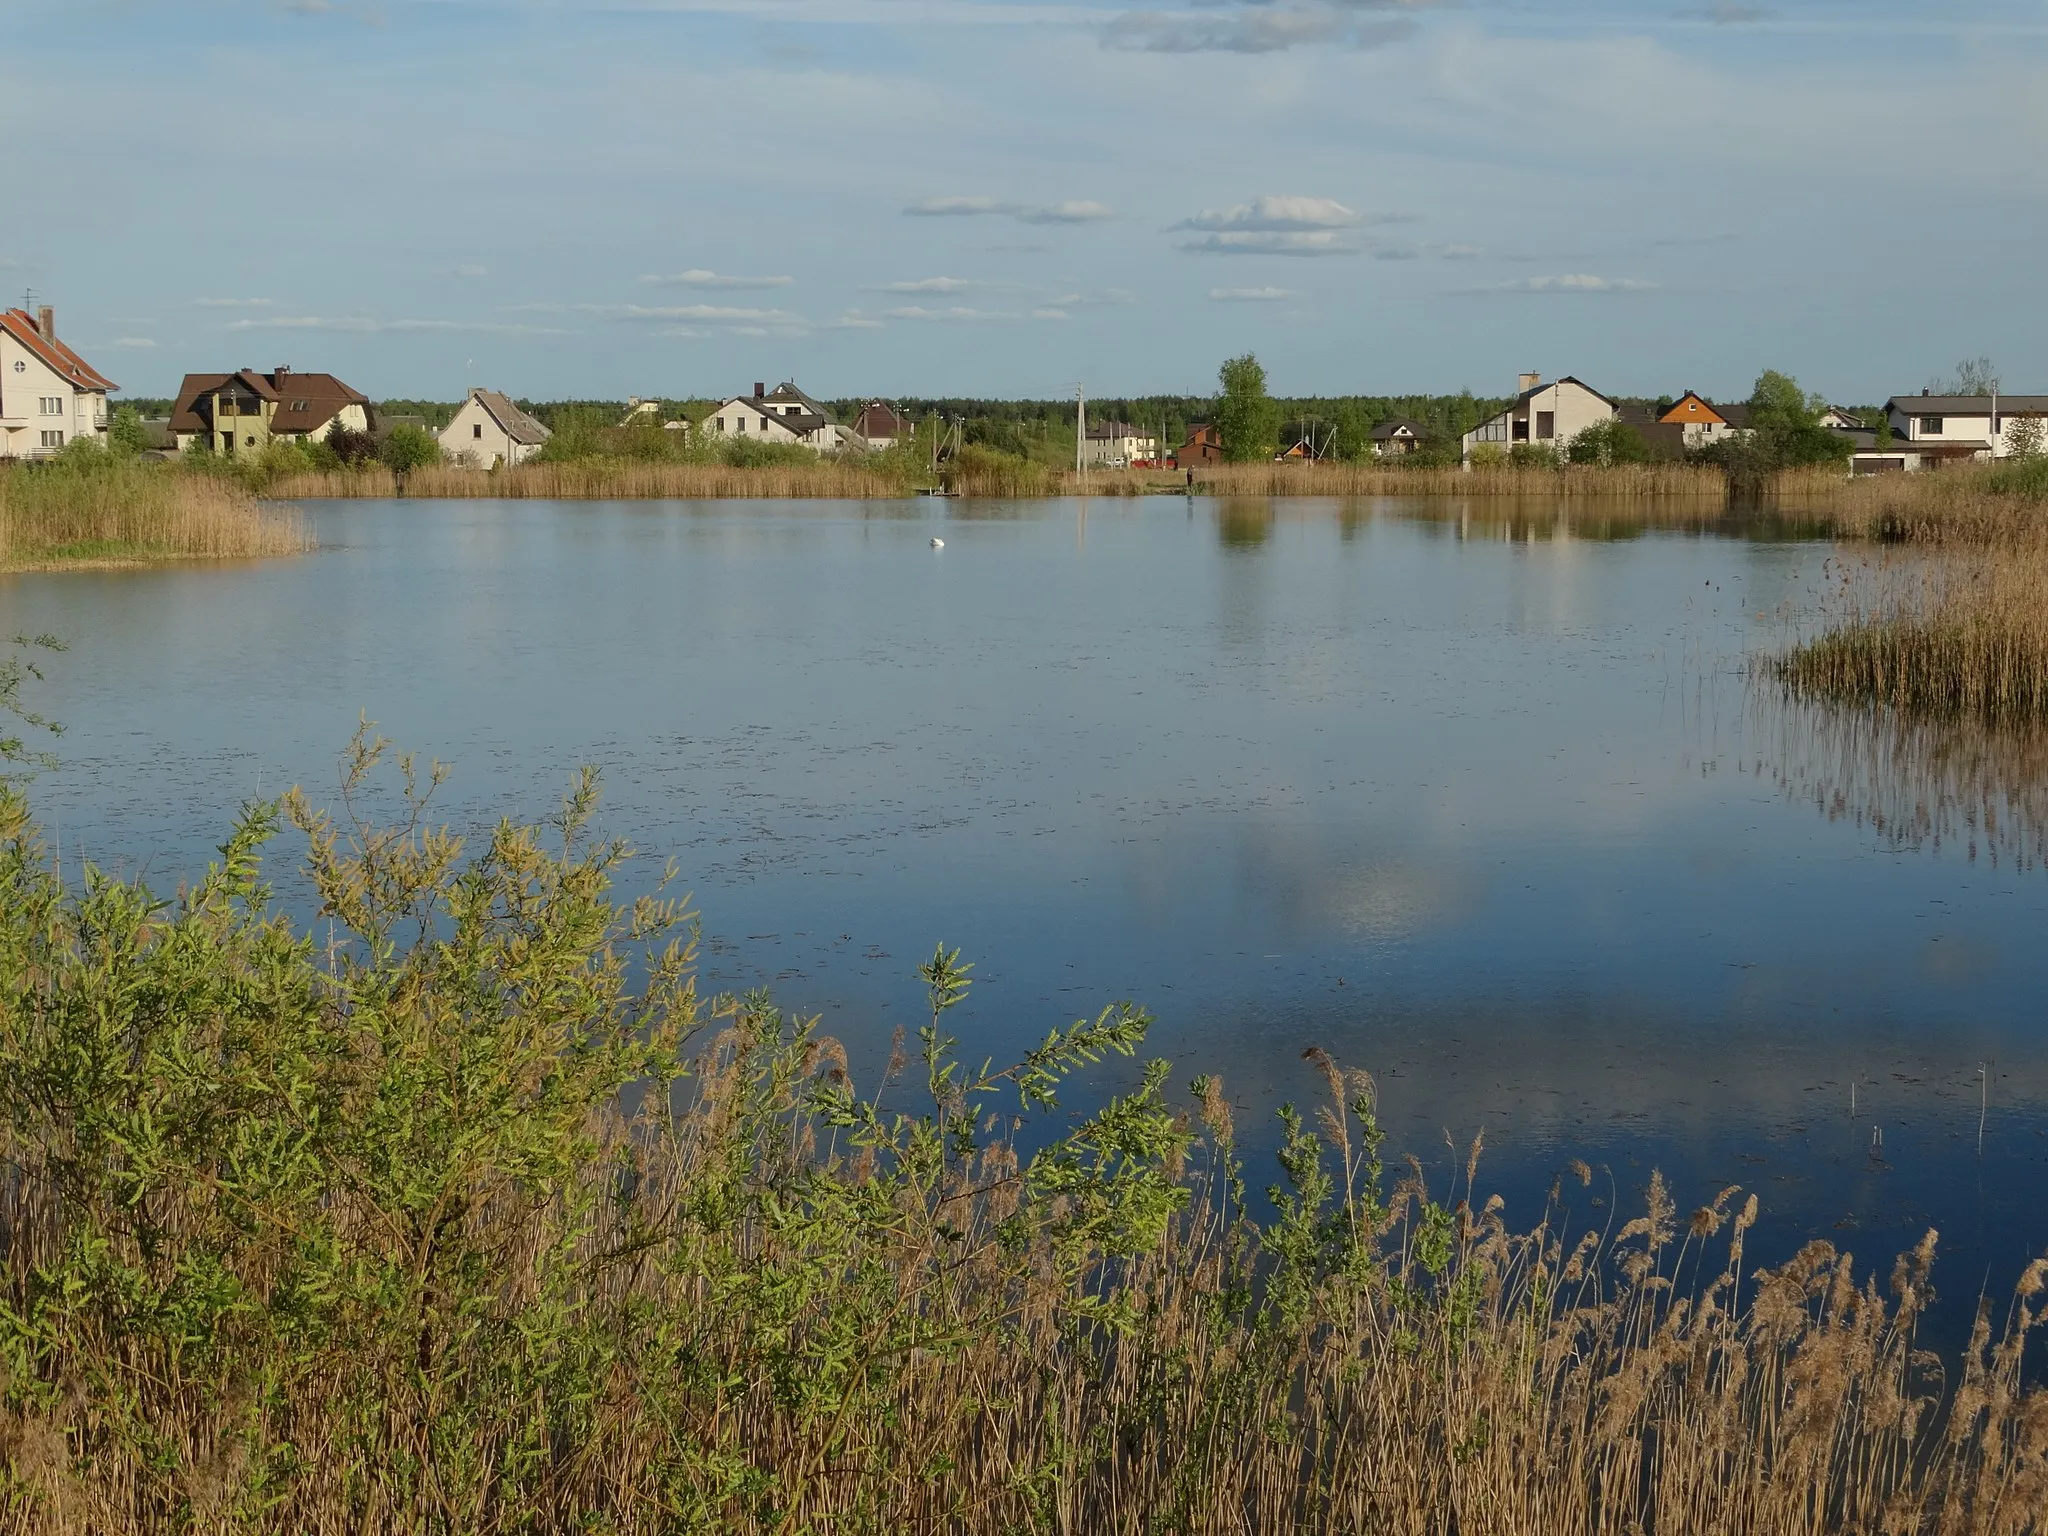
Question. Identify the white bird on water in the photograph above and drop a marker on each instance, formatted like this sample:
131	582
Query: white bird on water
938	543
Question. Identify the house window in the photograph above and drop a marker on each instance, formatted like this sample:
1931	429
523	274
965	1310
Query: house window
298	405
53	405
743	424
53	439
1930	426
1546	425
477	430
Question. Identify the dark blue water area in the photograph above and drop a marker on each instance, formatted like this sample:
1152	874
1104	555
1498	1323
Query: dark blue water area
1494	809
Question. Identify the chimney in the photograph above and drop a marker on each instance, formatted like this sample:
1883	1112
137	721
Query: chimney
760	390
284	371
46	323
1526	382
1924	392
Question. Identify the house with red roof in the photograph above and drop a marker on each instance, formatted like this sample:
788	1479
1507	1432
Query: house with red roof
49	395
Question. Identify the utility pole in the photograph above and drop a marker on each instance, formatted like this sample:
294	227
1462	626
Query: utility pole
1080	426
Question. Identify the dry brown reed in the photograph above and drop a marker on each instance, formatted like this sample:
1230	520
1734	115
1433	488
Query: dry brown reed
1635	482
1986	504
113	514
1964	634
606	480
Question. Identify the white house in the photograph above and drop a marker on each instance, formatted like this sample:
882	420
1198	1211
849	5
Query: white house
784	414
1547	415
1399	437
49	395
1942	427
489	431
1117	445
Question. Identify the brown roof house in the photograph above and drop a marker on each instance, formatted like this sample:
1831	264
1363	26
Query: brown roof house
242	412
49	395
1204	446
490	432
1402	435
881	425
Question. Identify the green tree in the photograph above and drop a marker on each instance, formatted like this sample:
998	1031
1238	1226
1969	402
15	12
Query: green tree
125	435
409	448
1608	442
1246	415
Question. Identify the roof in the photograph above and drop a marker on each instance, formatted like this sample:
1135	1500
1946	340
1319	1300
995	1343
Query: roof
802	423
66	363
1530	394
878	418
1964	405
1103	430
305	402
786	392
1692	406
511	420
1386	431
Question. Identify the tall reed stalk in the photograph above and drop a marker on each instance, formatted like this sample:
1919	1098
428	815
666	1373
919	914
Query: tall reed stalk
472	1214
1686	482
111	512
610	479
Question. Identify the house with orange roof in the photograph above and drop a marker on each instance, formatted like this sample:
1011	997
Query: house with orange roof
49	395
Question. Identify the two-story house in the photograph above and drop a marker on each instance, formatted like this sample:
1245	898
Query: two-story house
49	395
1204	446
1930	429
784	414
1398	438
1543	415
242	412
490	432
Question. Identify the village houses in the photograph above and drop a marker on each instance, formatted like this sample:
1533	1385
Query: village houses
1929	429
1543	415
49	395
1399	437
242	412
784	414
880	425
490	432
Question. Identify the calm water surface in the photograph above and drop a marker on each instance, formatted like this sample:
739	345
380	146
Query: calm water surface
1492	811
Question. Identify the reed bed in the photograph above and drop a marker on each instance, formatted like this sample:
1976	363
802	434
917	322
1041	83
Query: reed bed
1983	504
113	513
607	480
472	1215
1638	482
1963	635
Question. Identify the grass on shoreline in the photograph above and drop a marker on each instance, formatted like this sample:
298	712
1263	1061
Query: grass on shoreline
474	1215
107	512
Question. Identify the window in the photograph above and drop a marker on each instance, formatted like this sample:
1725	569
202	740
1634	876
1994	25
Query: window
53	439
53	405
299	405
743	424
21	367
1546	425
1930	426
477	430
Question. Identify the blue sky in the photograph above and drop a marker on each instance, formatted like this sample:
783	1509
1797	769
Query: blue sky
1006	197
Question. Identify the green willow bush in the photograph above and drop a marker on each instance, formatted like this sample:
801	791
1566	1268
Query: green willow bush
463	1210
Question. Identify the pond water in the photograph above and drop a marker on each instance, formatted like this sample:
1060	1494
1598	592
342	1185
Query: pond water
1491	809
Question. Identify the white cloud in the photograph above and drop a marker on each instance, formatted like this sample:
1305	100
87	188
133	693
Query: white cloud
699	277
1250	295
929	285
235	303
470	270
1075	211
854	320
1049	312
1072	211
1569	282
132	343
686	314
1277	213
